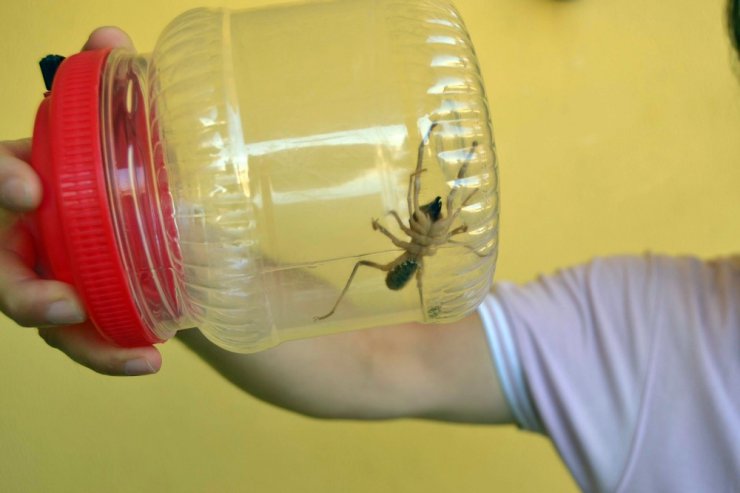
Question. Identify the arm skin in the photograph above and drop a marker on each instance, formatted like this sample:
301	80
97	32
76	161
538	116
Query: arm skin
440	372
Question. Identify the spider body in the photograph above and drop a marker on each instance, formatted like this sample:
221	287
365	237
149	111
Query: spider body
427	228
408	264
401	273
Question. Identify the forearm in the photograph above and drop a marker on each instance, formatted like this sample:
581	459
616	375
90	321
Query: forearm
324	377
438	372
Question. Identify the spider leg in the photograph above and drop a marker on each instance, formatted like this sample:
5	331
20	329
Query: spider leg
399	243
419	286
383	267
416	237
460	175
403	227
459	230
481	255
453	215
414	179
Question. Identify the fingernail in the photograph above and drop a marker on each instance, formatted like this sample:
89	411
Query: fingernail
137	367
15	192
64	312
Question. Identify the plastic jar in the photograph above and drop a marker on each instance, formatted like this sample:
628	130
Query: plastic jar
230	180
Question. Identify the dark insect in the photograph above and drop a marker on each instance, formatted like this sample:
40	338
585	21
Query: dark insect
427	229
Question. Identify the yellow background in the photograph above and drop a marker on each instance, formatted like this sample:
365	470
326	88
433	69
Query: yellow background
617	126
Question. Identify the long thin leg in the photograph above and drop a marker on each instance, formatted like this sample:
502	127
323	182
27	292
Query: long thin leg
451	216
457	231
399	243
415	237
453	193
403	227
367	263
481	255
461	174
414	179
419	286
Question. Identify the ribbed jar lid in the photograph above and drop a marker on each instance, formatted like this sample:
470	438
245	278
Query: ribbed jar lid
73	225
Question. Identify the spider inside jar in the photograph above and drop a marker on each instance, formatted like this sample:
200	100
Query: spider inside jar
427	229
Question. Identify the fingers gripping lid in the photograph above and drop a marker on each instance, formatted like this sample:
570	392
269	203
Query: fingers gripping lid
74	227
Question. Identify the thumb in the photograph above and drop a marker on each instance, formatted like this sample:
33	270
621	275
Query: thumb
108	37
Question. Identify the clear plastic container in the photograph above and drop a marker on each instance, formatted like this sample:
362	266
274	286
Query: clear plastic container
247	158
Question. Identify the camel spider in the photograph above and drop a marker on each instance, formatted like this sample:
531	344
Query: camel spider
427	228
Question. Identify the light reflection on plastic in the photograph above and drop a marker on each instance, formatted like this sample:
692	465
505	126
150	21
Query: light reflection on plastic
445	40
446	60
393	135
369	183
448	85
238	150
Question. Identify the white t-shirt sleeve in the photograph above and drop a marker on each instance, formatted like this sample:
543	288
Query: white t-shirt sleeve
631	365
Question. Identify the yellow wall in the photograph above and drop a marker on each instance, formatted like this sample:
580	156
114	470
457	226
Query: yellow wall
617	125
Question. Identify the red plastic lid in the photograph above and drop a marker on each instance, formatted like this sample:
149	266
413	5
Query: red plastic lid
73	227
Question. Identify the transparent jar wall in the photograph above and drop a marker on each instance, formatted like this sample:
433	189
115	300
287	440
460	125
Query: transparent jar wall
287	130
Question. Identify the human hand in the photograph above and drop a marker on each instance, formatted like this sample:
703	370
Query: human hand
51	305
